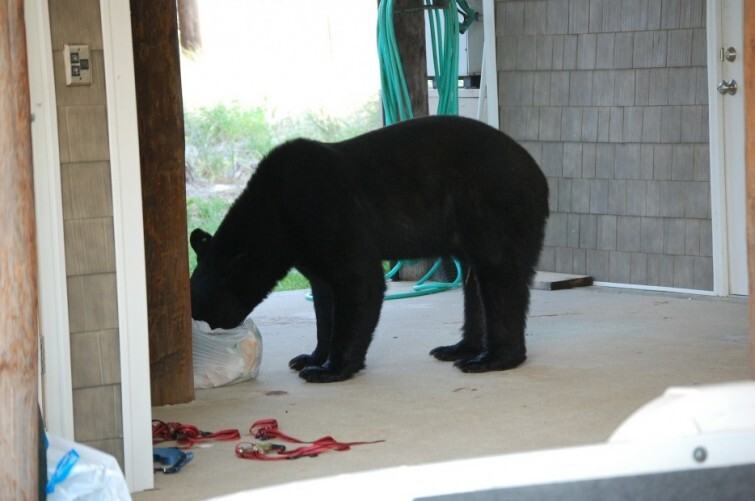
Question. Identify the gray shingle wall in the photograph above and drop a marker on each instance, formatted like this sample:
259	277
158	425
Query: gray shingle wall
610	97
88	231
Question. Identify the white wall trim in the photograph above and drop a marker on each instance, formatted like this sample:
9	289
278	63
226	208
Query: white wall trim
655	288
490	63
129	243
717	164
54	332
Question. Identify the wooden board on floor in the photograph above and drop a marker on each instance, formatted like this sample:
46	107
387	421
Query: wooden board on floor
546	280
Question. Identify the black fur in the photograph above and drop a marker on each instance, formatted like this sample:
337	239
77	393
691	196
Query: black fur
427	187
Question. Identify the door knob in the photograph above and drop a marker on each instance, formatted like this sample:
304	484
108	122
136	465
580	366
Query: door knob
727	87
729	54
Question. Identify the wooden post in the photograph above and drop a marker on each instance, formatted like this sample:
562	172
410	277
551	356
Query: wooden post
18	267
749	85
161	151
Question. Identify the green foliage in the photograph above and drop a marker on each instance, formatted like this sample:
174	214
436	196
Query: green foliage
223	143
293	281
320	126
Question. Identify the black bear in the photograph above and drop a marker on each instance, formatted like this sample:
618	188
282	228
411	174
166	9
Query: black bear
434	186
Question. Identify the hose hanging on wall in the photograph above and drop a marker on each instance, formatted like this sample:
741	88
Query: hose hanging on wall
445	43
395	93
444	35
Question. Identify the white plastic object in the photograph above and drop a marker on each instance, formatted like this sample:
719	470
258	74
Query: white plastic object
225	356
94	475
689	411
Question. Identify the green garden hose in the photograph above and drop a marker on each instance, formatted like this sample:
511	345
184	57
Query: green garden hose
396	101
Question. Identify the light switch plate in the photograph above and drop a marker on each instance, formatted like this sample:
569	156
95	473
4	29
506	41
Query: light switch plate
78	65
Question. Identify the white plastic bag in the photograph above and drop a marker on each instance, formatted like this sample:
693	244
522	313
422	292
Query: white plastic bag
91	474
225	356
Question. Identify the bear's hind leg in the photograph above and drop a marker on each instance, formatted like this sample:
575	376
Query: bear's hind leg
471	344
505	299
322	296
358	298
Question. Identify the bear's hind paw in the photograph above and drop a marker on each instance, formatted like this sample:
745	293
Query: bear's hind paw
487	362
325	374
455	352
317	374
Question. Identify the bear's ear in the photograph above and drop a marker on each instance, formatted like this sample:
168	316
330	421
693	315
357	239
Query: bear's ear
199	240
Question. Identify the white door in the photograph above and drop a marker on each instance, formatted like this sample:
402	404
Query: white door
725	72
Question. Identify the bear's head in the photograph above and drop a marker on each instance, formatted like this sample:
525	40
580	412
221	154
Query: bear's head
217	285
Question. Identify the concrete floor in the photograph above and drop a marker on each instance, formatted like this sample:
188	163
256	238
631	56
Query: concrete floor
596	354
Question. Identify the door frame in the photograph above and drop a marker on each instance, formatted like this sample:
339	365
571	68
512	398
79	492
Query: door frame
56	397
721	219
489	64
131	277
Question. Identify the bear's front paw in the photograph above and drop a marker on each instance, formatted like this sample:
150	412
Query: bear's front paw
327	374
302	361
487	362
455	352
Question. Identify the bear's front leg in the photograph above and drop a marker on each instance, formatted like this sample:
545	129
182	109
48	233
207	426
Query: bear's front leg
357	301
322	297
